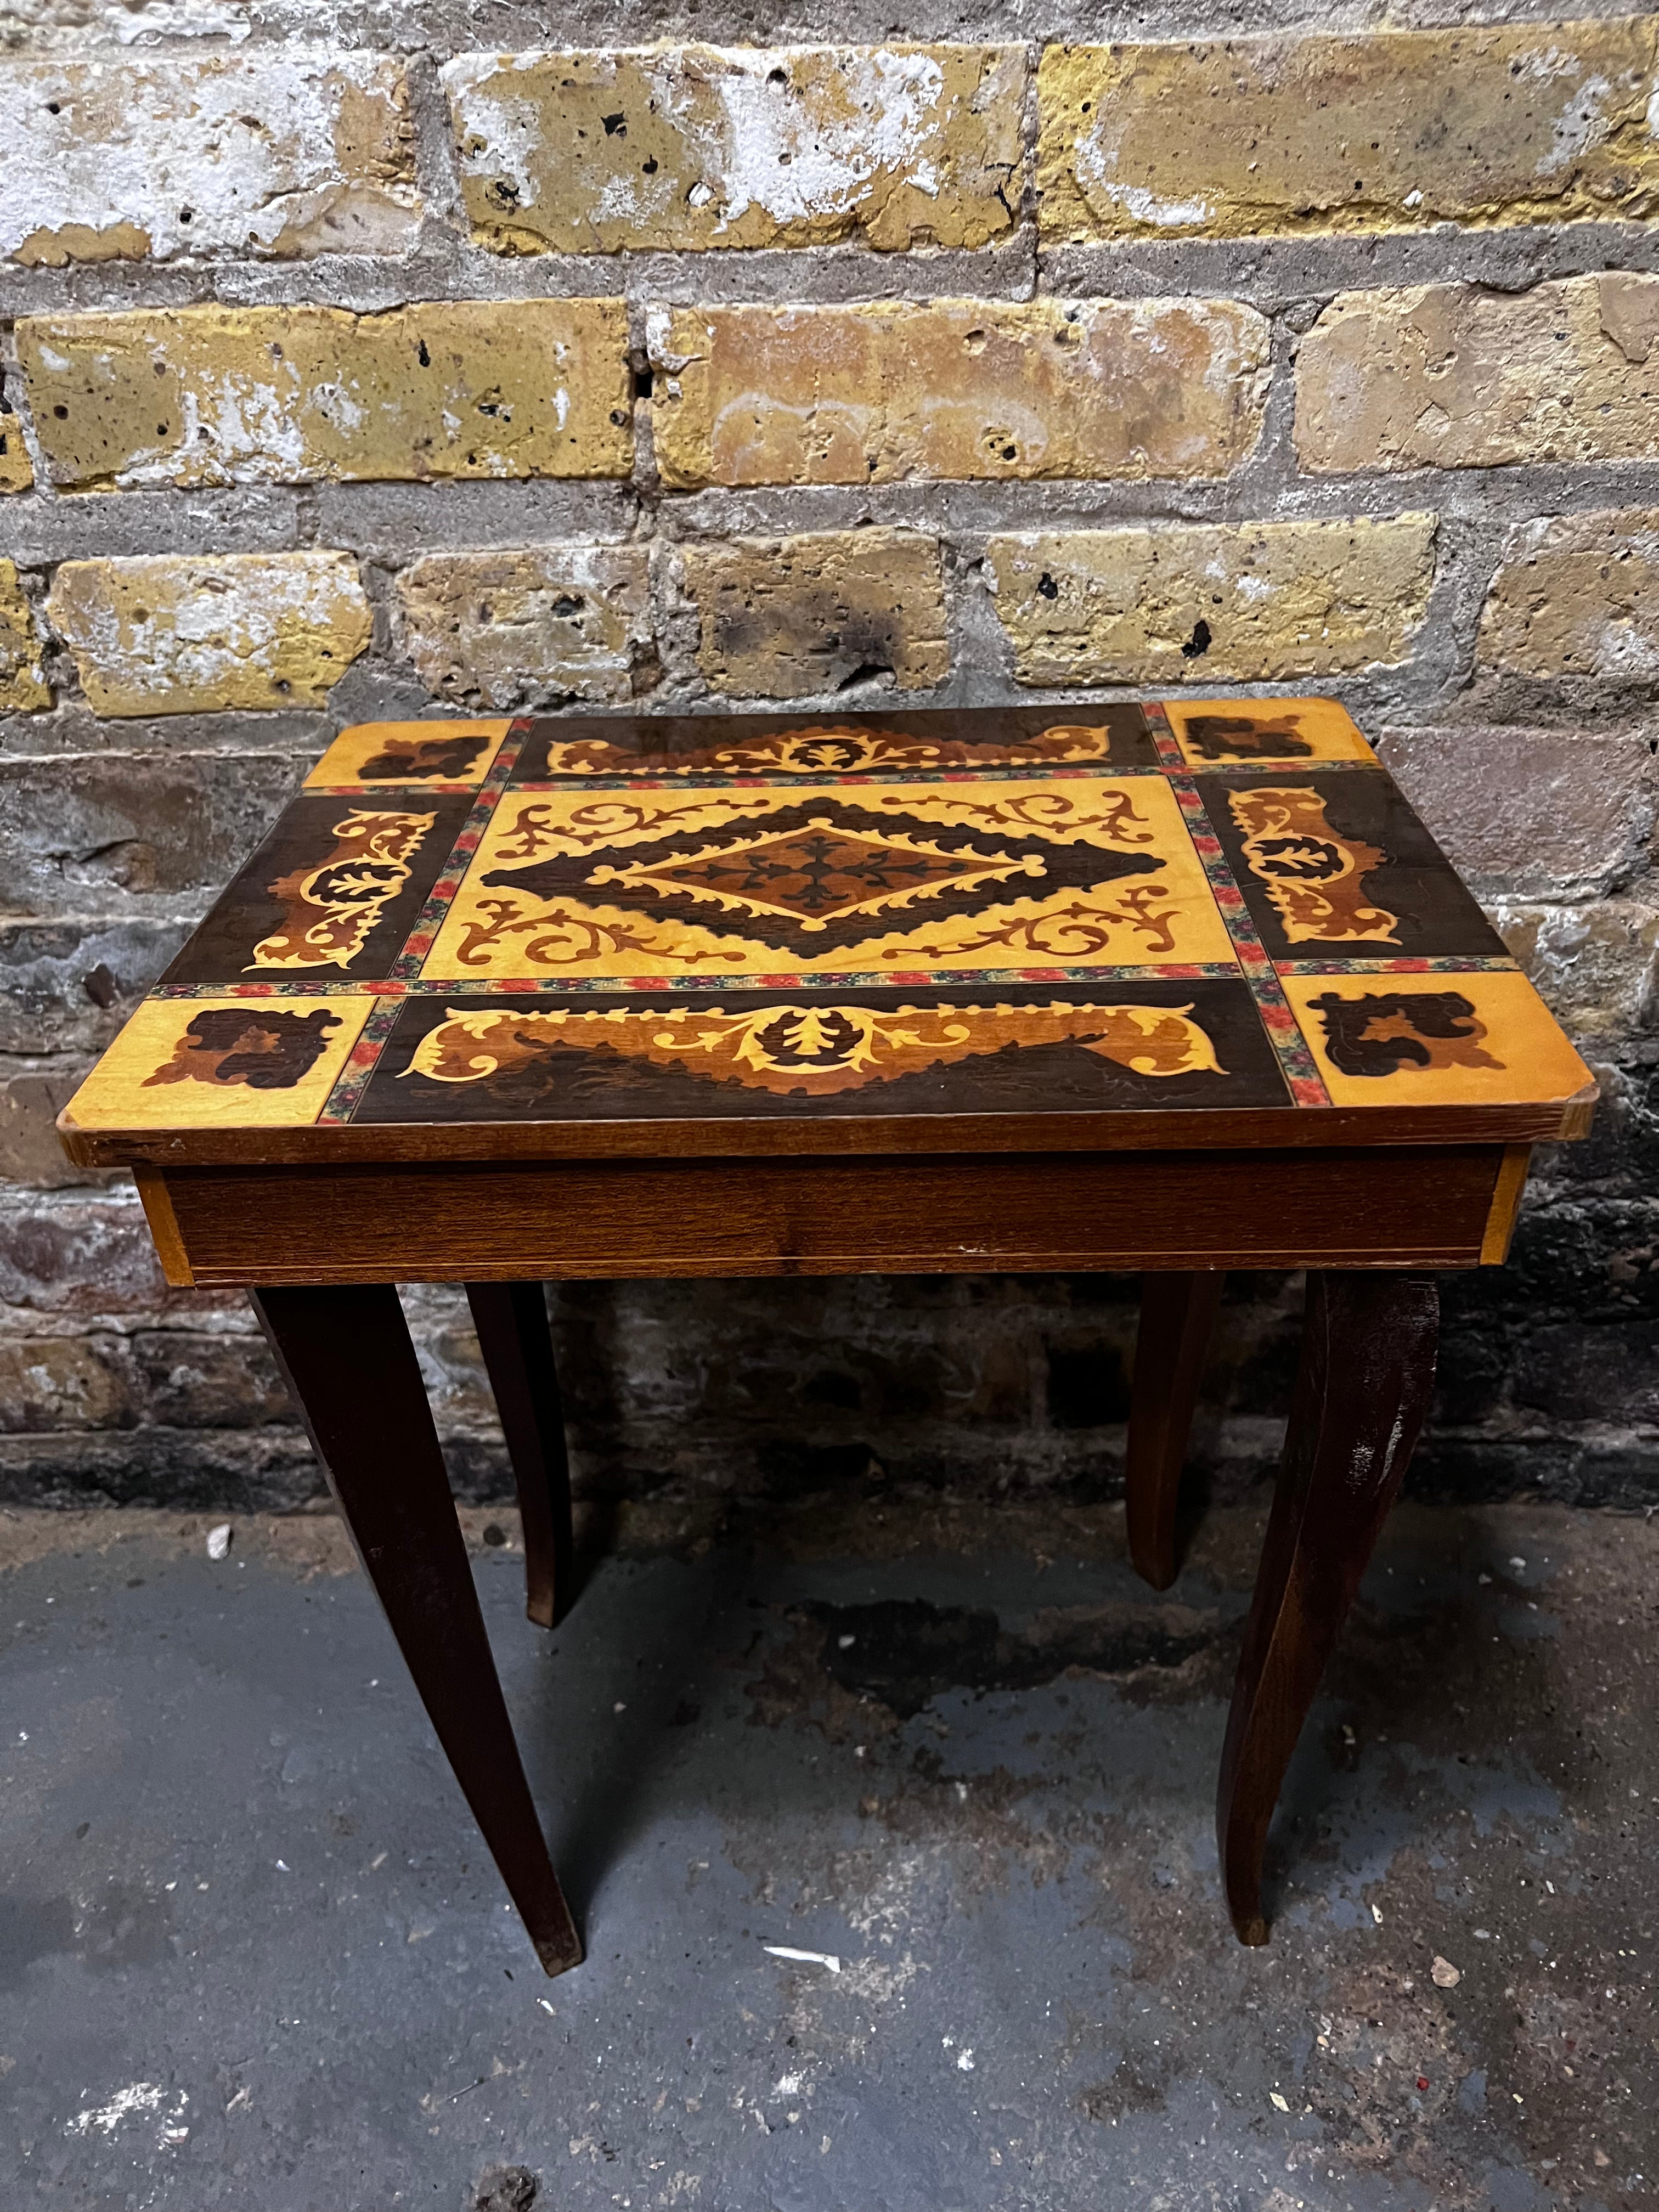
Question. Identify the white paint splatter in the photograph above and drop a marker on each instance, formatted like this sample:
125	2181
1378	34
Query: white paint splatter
795	161
236	429
178	19
803	1958
1146	207
1097	160
500	129
659	327
222	153
750	141
139	2100
882	1982
337	407
1581	124
231	627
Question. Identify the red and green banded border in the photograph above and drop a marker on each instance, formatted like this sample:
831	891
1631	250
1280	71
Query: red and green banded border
429	920
1295	1063
342	1101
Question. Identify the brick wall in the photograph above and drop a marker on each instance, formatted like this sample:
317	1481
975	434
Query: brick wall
432	369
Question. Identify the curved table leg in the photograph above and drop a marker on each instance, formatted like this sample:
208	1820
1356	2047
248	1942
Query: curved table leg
510	1319
1177	1319
345	1354
1368	1351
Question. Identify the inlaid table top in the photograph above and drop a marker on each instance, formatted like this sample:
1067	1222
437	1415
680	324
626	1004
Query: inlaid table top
1178	988
1191	922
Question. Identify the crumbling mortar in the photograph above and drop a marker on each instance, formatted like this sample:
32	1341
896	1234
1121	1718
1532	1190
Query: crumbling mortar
181	756
1263	472
437	169
677	624
1467	552
376	578
840	275
307	506
56	662
1275	270
1276	274
1268	487
1031	122
17	397
980	644
100	286
33	583
1558	702
646	477
42	527
442	27
71	729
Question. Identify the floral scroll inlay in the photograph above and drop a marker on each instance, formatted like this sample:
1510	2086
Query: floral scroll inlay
1315	874
328	910
815	1049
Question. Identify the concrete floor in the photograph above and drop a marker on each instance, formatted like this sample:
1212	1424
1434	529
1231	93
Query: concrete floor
253	1956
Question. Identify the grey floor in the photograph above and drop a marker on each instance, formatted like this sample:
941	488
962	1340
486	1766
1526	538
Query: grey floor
252	1953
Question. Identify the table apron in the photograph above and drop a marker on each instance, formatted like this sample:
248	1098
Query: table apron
1410	1206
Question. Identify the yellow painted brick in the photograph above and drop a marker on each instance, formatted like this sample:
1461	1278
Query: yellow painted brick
1239	603
1576	595
785	618
1390	130
22	678
703	146
287	152
517	629
163	635
1447	376
955	388
16	473
286	395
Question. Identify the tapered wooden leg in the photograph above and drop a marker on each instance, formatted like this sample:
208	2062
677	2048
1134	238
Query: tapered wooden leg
510	1319
1177	1319
345	1354
1368	1351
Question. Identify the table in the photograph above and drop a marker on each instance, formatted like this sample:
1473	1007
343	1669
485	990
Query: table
1176	987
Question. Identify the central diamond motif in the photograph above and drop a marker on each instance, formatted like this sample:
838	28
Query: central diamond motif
823	875
822	870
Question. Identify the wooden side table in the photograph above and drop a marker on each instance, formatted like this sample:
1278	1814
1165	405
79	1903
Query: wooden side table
1178	988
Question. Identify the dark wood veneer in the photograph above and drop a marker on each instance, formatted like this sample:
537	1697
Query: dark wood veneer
1217	1129
1428	1207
